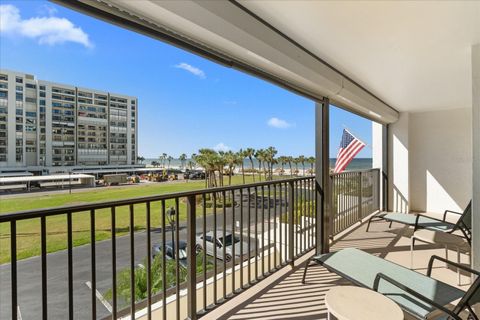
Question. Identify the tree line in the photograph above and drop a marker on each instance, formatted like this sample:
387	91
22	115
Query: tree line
218	164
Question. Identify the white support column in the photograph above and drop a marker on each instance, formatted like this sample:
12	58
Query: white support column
379	157
399	168
476	155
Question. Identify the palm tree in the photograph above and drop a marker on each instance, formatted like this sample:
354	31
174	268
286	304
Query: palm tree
169	159
183	160
311	161
140	159
270	153
301	159
162	158
250	153
154	163
296	161
290	160
207	159
232	159
260	156
241	155
193	161
282	160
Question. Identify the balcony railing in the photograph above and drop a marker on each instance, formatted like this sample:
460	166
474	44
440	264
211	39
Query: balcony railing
271	224
355	195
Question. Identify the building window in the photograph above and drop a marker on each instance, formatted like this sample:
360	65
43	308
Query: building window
42	87
19	80
3	77
19	96
31	86
42	102
31	100
3	94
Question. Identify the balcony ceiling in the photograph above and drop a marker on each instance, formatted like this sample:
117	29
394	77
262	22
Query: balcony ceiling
372	57
415	56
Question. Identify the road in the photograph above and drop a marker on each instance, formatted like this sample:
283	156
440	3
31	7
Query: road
29	271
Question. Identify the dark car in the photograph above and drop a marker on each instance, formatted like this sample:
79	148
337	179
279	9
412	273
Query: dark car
194	175
170	251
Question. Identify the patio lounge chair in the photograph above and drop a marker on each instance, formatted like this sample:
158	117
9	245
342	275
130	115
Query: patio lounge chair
416	293
464	222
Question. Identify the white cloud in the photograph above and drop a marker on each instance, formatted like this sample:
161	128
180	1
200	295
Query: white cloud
221	147
46	30
278	123
193	70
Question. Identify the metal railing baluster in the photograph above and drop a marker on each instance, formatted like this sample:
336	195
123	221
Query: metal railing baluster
13	258
204	245
114	263
43	244
191	259
149	262
269	240
176	244
70	265
224	247
93	265
263	231
214	248
242	256
233	241
132	261
164	263
249	245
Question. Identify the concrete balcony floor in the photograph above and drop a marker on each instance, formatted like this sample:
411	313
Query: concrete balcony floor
283	296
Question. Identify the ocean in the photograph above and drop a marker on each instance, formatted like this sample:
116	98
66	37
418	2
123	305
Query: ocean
356	164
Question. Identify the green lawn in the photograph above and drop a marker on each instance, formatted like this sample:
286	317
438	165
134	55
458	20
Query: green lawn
28	231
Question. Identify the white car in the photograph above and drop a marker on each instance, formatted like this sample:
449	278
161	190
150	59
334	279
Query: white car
229	243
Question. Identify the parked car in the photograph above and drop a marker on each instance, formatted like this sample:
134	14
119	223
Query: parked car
194	175
229	243
170	251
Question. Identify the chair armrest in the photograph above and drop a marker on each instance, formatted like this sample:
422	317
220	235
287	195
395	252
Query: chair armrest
458	265
450	211
381	276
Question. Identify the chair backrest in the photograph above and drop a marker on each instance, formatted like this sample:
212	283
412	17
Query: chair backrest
465	220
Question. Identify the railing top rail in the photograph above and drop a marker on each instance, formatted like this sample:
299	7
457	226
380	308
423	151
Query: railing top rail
355	171
37	213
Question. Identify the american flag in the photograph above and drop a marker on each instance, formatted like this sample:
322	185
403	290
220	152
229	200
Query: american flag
350	146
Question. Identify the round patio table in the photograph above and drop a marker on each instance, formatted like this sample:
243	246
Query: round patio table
355	303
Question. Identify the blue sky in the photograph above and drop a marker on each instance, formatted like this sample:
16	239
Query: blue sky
185	102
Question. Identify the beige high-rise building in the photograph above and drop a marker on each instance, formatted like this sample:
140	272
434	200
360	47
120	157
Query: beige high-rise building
46	126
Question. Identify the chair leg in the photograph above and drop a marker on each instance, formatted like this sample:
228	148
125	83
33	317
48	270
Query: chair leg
369	221
446	256
305	271
412	245
390	225
458	269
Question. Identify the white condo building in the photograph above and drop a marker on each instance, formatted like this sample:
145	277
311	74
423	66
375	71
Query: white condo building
46	126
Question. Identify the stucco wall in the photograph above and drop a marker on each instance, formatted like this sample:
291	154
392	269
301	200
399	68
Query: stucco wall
430	161
440	160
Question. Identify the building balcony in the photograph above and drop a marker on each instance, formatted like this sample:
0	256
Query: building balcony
276	230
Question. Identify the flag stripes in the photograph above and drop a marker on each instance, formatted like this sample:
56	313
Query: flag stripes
350	146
